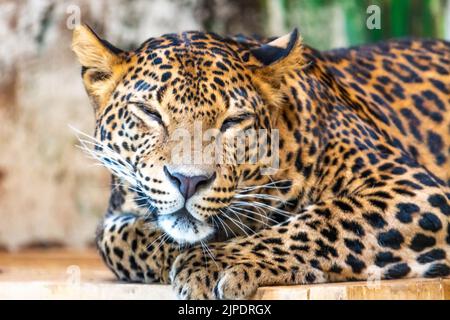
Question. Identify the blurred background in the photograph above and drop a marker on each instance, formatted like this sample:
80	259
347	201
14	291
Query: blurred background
50	194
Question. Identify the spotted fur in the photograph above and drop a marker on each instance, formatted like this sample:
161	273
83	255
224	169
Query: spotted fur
363	186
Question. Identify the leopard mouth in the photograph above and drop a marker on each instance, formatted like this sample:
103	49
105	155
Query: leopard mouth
182	227
184	216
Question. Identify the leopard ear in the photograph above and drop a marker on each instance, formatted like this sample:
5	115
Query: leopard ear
283	50
276	58
101	63
272	61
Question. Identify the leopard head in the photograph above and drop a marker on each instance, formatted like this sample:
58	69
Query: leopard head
165	109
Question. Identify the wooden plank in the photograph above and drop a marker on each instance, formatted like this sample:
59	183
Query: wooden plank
69	274
411	289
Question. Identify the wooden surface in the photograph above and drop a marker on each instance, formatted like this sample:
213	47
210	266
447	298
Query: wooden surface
62	274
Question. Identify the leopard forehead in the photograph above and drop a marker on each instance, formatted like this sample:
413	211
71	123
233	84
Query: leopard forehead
192	75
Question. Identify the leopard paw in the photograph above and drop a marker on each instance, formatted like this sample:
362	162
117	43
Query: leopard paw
236	283
193	277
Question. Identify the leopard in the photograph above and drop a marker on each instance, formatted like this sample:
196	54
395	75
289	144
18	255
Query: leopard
360	189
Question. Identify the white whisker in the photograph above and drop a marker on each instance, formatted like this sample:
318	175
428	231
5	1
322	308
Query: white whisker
238	215
226	225
270	185
235	222
261	196
239	211
263	205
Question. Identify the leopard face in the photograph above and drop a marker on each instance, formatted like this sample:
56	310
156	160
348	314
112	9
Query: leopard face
155	108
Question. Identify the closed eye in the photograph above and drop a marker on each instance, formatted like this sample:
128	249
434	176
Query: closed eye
235	120
148	111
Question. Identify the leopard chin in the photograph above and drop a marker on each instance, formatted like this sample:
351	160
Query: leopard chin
183	228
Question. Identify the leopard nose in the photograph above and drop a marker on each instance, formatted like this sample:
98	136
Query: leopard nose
188	185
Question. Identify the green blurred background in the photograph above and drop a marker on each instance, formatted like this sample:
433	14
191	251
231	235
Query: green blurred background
336	23
399	18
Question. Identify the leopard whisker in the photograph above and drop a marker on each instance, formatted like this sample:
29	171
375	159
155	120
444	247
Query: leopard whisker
135	190
248	216
270	185
237	223
257	212
113	165
248	205
163	241
107	157
266	206
222	221
237	214
209	252
149	213
262	197
158	238
104	157
204	256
